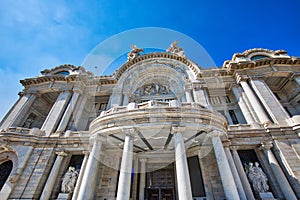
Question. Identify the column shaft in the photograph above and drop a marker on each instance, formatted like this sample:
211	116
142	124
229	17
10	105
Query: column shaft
288	171
297	79
52	177
235	174
88	182
80	176
19	110
56	112
242	175
69	110
125	99
270	102
142	178
224	169
243	106
126	167
280	177
263	118
188	96
182	172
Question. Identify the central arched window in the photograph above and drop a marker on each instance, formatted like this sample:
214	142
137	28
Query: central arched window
258	57
5	170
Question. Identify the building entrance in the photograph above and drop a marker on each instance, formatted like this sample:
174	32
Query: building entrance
161	184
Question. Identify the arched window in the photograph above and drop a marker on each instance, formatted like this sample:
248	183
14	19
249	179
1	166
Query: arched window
65	73
5	169
258	57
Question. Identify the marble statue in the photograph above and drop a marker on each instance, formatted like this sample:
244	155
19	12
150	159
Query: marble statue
69	180
135	52
28	122
175	49
257	177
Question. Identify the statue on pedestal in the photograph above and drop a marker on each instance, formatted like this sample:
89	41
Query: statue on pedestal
135	52
69	180
257	177
174	48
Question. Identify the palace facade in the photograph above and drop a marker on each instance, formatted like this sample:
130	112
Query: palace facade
161	127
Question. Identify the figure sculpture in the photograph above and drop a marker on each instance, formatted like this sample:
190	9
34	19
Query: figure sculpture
174	48
69	180
135	52
258	178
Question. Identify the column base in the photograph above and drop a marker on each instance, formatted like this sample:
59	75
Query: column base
64	196
266	196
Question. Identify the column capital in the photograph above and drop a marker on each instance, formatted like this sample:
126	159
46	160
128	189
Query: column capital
65	89
99	137
226	143
199	86
233	148
129	131
86	152
77	90
215	133
143	159
61	153
188	87
266	145
234	86
241	77
177	129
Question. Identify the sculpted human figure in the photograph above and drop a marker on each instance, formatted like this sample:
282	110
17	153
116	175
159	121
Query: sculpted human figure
174	48
69	180
258	178
135	52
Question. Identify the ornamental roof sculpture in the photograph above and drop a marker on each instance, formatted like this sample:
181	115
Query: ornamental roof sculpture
135	52
175	49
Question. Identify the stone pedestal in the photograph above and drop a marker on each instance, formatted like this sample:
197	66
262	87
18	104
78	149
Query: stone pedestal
266	196
64	196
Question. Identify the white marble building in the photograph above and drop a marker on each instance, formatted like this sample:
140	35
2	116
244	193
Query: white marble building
161	127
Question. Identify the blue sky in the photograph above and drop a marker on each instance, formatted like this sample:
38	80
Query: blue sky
36	35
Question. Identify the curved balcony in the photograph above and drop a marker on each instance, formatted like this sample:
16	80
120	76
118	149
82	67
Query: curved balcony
153	122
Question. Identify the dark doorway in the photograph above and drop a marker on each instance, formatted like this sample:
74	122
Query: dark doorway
161	184
5	169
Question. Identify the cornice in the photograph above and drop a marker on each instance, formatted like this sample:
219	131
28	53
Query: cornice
232	66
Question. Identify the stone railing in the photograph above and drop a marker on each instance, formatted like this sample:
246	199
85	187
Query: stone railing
151	104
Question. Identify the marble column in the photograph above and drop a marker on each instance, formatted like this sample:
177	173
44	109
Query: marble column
182	171
125	98
52	176
188	93
235	174
142	178
297	79
280	177
68	113
80	176
201	96
228	117
56	112
116	98
88	183
126	167
270	102
227	179
260	112
287	169
246	112
242	174
18	111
